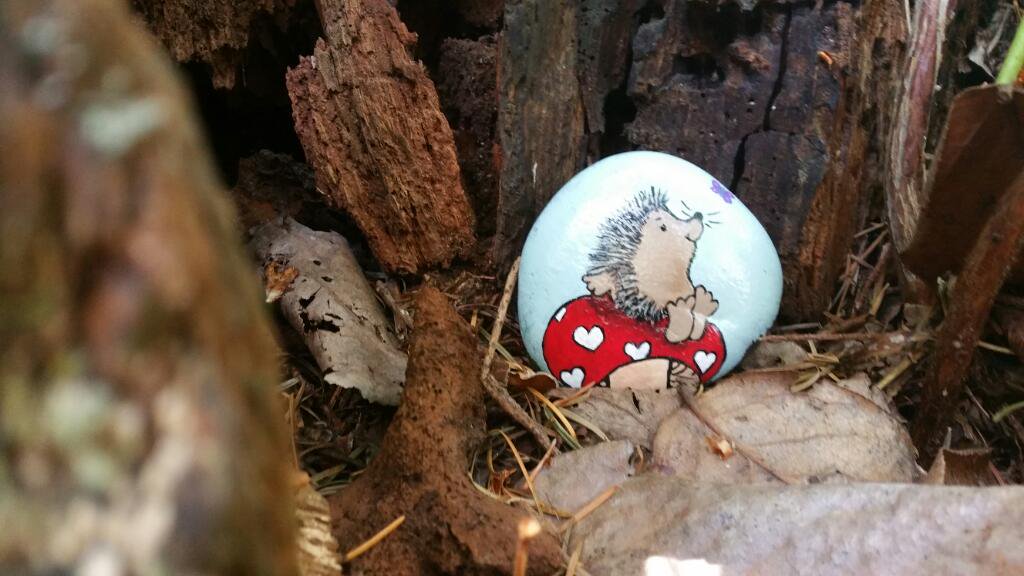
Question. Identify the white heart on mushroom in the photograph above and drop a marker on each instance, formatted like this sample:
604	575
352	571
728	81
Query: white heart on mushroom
572	378
589	339
638	351
704	360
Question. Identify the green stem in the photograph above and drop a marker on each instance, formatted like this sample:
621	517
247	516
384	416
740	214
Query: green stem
1014	58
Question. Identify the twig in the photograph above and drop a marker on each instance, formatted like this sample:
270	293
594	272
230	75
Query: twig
504	400
589	507
522	468
826	337
544	460
896	372
555	412
691	403
374	540
574	560
798	327
980	279
495	389
527	529
499	319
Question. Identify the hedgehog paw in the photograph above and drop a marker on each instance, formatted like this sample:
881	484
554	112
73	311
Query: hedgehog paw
680	320
704	303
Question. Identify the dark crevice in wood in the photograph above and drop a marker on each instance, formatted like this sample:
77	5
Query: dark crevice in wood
255	114
783	55
739	164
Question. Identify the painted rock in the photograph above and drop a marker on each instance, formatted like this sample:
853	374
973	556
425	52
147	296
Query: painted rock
645	270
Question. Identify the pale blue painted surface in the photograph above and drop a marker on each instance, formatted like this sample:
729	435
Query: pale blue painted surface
735	259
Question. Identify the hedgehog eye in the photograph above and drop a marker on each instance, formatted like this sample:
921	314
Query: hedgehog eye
664	228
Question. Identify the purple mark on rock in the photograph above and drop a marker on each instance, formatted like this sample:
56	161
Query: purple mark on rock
722	191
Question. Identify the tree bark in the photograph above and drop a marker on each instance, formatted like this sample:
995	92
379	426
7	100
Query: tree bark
370	123
540	115
139	429
760	95
211	31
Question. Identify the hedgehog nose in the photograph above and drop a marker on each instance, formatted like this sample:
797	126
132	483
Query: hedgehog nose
698	216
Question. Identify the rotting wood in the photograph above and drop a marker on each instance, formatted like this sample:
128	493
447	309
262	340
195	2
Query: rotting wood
467	86
138	371
540	115
369	120
603	54
743	92
905	154
213	31
420	470
977	285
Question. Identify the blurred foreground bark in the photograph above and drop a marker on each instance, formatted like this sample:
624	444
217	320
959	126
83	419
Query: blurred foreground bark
138	431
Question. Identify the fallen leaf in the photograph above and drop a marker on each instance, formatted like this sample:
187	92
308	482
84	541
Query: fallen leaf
575	478
624	414
278	279
830	433
656	522
521	378
981	150
770	354
334	308
967	467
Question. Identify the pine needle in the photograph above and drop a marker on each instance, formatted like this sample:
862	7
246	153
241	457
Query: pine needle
374	540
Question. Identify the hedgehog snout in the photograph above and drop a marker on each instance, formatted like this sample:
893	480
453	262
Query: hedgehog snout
698	216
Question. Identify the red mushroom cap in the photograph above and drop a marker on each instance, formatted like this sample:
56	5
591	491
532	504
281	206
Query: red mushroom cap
589	338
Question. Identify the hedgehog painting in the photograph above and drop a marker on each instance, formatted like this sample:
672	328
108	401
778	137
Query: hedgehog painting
643	324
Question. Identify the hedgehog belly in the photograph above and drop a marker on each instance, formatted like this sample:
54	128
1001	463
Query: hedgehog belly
589	338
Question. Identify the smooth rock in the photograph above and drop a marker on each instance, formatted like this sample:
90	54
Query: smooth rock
642	272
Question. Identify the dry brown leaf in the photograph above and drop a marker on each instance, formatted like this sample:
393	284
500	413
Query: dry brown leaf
522	378
654	522
770	354
575	478
968	467
318	550
277	279
830	433
624	414
334	308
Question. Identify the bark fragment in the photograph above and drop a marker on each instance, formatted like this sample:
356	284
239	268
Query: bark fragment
213	31
370	123
420	471
331	304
